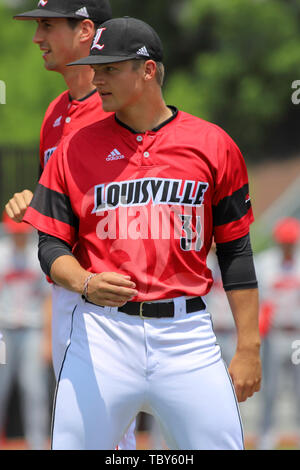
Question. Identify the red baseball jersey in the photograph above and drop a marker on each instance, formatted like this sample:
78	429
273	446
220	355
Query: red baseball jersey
146	204
64	116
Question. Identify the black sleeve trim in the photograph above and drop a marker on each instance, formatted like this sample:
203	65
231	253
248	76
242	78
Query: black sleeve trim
51	248
236	264
233	207
54	205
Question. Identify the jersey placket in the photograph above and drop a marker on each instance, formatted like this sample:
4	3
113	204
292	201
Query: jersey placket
72	108
146	147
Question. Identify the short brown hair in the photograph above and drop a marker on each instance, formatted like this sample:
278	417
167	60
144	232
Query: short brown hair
73	22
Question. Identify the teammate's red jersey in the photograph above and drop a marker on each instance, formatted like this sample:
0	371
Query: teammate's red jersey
147	204
64	116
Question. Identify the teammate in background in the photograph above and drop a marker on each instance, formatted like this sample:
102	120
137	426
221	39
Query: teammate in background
142	227
23	292
65	30
278	270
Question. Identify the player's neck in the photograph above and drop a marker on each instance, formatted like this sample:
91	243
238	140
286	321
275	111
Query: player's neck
79	81
145	117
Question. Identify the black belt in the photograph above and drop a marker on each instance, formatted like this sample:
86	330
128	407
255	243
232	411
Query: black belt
160	309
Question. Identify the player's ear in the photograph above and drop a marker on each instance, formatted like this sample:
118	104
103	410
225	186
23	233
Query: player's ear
149	69
87	31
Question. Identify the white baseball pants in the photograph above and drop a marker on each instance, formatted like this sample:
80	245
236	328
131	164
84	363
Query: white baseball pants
116	365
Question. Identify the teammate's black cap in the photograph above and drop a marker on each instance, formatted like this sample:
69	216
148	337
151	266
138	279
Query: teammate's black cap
122	39
95	10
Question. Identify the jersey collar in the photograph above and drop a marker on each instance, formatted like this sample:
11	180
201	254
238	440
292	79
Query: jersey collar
85	97
164	123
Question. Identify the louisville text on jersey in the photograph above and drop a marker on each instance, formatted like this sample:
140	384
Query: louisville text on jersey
142	191
151	208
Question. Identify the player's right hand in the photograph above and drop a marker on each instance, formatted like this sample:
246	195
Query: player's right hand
111	289
17	205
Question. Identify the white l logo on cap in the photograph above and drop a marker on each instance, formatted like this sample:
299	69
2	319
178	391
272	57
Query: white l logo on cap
97	39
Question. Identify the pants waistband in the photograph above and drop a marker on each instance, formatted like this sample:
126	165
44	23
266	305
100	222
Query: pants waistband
160	309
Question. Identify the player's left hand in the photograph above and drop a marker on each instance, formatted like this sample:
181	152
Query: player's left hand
246	372
17	205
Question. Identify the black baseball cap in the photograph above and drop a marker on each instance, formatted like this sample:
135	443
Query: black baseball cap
95	10
121	39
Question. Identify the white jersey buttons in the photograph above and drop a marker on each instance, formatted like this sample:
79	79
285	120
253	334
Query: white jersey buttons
146	154
139	138
68	119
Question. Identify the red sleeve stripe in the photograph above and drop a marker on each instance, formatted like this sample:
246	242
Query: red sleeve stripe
54	205
232	207
50	226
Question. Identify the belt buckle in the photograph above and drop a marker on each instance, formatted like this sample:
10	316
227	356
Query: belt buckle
141	311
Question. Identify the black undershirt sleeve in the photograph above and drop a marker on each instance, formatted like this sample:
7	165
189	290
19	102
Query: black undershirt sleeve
236	264
51	248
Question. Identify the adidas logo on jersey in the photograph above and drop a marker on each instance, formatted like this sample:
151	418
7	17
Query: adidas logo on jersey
143	51
82	12
57	122
114	155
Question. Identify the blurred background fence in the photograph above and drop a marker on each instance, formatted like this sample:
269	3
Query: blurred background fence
18	170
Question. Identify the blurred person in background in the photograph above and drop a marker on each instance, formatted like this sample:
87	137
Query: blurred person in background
64	33
2	349
23	323
278	271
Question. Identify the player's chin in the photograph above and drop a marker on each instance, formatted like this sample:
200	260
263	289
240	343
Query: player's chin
107	102
51	67
108	107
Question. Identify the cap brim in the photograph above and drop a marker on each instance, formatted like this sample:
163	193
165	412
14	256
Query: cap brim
98	59
39	13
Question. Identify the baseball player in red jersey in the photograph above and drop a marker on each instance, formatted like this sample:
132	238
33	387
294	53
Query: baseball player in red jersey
65	30
140	196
